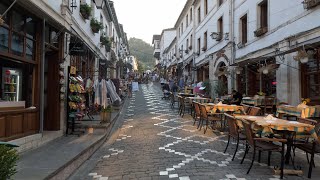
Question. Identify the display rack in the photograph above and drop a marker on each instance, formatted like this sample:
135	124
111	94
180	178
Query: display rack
75	102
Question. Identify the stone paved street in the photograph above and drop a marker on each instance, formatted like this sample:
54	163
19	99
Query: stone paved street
154	142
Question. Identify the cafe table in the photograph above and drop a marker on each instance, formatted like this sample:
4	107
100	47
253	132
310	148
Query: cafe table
269	125
211	107
198	99
306	112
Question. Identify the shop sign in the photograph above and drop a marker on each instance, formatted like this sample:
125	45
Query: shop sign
77	48
73	70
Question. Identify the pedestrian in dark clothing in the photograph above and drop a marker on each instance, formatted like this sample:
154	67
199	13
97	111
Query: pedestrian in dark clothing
236	98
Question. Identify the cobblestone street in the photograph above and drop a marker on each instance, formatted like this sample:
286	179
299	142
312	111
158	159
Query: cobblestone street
154	142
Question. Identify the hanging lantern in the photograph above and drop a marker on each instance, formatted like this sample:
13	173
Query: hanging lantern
304	60
265	71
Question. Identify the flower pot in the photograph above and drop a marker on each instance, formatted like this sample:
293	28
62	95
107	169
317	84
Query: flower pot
85	15
105	117
95	29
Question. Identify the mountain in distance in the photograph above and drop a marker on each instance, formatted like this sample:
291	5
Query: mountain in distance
143	52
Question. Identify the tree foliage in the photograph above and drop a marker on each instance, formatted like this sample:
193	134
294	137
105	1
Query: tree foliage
8	160
143	52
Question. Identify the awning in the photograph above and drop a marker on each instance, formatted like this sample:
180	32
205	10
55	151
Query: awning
187	61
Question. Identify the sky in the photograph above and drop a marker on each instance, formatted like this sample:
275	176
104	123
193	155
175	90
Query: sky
144	18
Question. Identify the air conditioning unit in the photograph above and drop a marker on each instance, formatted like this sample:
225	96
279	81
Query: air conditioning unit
308	4
260	31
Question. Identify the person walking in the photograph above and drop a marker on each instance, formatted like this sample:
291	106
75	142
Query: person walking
129	87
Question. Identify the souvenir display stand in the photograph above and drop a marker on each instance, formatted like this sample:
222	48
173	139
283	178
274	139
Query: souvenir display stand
76	101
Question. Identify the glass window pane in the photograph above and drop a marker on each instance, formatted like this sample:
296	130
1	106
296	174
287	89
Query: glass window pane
30	28
18	22
4	39
47	34
17	44
314	92
30	49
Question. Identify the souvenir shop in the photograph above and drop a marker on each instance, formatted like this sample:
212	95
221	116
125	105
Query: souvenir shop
21	61
88	92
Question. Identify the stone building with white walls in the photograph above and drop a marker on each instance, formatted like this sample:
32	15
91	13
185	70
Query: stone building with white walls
63	36
253	46
286	33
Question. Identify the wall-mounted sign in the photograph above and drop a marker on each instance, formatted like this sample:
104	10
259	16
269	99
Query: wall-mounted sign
73	70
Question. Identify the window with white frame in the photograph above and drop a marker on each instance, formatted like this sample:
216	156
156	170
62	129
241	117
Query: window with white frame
191	38
263	14
244	29
187	44
190	14
181	28
199	15
205	39
199	45
205	7
187	21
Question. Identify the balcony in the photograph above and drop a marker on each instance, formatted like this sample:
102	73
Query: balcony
260	31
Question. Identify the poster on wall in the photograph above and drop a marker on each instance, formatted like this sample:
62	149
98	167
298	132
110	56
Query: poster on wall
135	86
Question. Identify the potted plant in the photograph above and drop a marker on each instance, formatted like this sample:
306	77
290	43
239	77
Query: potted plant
207	86
105	114
8	160
220	88
85	11
96	26
106	42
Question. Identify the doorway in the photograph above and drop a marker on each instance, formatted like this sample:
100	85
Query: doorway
51	92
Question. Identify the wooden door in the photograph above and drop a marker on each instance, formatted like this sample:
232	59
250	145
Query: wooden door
52	108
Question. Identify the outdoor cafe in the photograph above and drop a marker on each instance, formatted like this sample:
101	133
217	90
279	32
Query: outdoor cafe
262	123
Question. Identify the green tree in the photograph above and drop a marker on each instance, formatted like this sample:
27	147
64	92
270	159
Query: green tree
141	67
142	51
8	160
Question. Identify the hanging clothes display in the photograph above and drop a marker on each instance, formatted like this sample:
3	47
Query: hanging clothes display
104	91
112	92
97	93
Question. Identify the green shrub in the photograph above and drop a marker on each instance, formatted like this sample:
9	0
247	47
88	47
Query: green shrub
8	160
85	11
106	42
96	26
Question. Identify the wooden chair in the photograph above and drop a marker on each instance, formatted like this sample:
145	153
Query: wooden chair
262	144
267	105
197	114
183	106
309	147
254	111
234	132
173	99
209	117
246	108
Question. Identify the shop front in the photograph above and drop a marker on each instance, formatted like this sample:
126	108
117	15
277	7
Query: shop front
310	77
257	77
19	74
